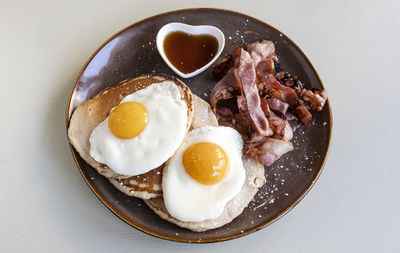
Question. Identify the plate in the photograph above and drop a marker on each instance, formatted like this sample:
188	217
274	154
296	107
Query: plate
133	51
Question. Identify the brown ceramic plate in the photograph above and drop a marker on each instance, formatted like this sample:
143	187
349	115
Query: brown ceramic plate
132	52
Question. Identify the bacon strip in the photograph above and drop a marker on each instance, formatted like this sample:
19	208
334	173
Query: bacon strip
277	105
272	149
224	89
263	55
246	76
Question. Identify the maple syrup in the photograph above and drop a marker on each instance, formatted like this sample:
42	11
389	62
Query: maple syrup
188	52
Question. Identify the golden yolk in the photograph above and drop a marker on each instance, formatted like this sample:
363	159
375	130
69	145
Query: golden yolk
127	120
206	163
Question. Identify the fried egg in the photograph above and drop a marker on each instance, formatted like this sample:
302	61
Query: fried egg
141	132
204	174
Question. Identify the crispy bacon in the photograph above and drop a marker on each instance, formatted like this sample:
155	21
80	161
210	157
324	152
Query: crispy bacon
303	114
269	100
246	75
316	100
288	80
263	55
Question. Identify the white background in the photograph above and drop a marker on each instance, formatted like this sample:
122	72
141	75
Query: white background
46	205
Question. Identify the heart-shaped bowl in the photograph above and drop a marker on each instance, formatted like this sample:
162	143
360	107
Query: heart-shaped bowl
193	30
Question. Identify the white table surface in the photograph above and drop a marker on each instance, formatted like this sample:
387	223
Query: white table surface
46	205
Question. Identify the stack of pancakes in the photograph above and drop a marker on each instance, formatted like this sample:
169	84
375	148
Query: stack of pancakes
148	186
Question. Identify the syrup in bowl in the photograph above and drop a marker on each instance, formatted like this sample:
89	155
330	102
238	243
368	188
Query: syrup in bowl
189	50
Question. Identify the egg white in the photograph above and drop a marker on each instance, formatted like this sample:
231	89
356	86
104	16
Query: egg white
162	135
190	201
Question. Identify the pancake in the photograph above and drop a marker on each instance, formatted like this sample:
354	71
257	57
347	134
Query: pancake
254	179
144	186
95	110
148	185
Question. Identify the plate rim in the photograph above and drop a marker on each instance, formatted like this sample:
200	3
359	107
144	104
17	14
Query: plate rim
182	240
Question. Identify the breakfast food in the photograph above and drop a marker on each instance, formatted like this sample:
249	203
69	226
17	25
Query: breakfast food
202	115
189	52
132	139
254	179
95	111
266	99
204	174
226	210
204	178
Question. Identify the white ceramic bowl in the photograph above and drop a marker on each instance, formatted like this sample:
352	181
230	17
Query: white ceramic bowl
195	30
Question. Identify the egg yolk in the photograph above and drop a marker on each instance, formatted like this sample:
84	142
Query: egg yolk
206	163
127	120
